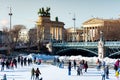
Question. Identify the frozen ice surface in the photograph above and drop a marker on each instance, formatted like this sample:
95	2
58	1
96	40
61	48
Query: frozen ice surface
51	72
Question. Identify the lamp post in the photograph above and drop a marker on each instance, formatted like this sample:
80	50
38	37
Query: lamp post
74	19
10	14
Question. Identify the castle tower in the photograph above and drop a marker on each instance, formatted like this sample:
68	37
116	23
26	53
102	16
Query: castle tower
101	46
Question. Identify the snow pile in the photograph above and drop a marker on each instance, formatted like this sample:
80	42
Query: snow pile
90	60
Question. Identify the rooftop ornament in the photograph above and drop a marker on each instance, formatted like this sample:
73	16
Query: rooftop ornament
44	12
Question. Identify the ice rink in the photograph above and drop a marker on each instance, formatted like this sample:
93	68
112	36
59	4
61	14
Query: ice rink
51	72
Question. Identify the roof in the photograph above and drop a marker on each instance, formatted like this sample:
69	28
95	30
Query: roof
99	22
93	21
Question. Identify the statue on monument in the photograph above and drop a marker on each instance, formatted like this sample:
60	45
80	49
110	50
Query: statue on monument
43	12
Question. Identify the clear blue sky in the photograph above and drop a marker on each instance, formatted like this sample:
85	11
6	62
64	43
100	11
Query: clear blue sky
25	11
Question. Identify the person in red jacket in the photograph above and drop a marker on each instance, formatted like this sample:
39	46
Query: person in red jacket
86	66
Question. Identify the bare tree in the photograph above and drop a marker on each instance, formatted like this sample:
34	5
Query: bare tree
7	39
15	32
36	36
11	36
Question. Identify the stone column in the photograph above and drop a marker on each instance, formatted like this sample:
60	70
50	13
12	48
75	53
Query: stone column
86	36
92	28
55	33
83	34
101	47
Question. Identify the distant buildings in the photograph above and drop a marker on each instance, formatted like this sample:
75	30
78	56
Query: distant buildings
46	30
74	35
109	27
23	36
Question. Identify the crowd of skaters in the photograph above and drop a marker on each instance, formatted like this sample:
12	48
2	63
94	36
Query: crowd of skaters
11	63
78	66
81	66
105	73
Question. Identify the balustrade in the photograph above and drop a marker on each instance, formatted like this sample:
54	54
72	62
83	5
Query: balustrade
108	43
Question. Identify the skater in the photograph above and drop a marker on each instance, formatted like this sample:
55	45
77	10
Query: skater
74	63
98	65
103	75
107	72
117	73
2	64
69	67
37	74
86	66
116	65
78	70
32	74
4	77
81	67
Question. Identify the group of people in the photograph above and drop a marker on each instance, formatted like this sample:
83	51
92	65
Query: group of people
9	63
105	69
35	74
105	72
77	66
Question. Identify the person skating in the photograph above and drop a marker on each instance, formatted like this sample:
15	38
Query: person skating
107	72
69	67
74	63
2	64
86	66
117	73
37	74
32	74
103	74
78	70
4	77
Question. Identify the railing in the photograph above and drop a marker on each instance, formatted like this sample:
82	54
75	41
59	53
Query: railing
112	43
76	44
107	43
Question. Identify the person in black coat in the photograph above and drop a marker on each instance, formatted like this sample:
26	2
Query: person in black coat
37	74
69	67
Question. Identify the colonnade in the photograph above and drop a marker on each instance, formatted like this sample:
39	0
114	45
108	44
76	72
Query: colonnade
56	33
74	36
90	33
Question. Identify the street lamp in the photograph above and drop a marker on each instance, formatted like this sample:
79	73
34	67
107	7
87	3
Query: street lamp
74	19
10	14
9	46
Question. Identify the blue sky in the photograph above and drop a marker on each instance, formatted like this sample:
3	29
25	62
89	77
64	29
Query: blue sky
25	11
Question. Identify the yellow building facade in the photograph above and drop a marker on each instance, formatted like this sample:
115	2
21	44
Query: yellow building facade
74	35
109	27
49	30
